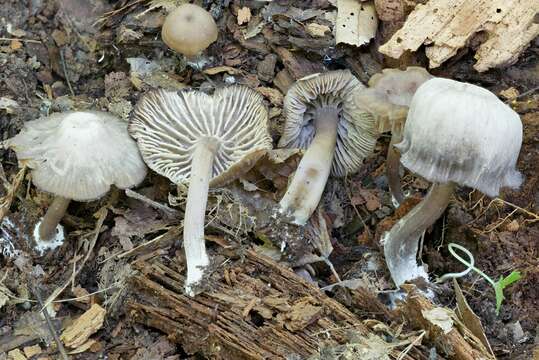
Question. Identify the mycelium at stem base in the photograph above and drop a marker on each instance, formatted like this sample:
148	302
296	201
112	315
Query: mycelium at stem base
401	242
195	210
48	233
309	181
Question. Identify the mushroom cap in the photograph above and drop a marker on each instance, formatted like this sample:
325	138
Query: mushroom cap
390	93
79	154
168	125
356	132
462	133
189	29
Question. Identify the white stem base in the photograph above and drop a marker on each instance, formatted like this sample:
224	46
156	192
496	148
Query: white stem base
42	246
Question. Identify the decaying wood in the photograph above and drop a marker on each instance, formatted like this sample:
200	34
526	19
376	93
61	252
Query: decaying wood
446	26
452	339
257	309
83	327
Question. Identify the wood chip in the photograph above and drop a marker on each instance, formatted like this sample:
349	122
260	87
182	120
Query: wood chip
317	30
446	26
244	15
30	351
356	22
221	69
81	329
16	355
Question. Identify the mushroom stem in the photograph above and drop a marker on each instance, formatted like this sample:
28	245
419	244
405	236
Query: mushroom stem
195	211
305	190
55	213
393	169
401	242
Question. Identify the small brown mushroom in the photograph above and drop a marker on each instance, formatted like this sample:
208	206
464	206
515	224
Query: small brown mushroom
76	156
189	30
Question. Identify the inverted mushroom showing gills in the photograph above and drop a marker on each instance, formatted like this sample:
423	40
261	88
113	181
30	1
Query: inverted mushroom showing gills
76	156
322	117
455	133
189	30
388	98
189	136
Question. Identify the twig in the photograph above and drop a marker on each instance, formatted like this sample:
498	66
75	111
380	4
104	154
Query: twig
532	90
21	40
64	68
169	211
411	345
61	349
7	200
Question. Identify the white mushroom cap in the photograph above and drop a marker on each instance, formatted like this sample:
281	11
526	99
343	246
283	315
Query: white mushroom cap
390	93
168	125
79	155
462	133
356	132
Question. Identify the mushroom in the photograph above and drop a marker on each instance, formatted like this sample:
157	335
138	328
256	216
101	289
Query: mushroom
76	156
322	117
189	136
455	133
388	98
189	30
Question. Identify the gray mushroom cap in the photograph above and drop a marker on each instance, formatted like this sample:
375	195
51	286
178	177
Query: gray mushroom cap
79	155
462	133
356	131
168	125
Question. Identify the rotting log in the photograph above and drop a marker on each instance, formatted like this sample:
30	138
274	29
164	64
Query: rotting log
256	309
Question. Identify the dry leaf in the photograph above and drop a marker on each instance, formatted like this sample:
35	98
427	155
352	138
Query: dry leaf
445	26
272	94
356	22
509	93
439	317
30	351
244	15
317	30
220	69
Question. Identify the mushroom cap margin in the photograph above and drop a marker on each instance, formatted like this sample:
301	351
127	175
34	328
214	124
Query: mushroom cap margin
462	133
79	154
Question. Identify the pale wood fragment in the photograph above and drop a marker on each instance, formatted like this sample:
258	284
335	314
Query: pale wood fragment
445	26
82	328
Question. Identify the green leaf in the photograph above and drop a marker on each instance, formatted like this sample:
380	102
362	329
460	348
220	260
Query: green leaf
501	285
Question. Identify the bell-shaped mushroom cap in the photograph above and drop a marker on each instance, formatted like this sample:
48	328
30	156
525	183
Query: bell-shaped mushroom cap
168	125
462	133
356	132
189	29
79	155
390	93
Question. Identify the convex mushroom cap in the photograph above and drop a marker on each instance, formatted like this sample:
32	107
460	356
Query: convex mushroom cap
189	29
76	156
189	136
388	98
322	117
462	133
79	154
390	93
455	133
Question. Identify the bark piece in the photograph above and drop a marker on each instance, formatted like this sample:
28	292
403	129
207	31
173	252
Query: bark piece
82	328
297	65
256	309
266	68
356	22
449	335
446	26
